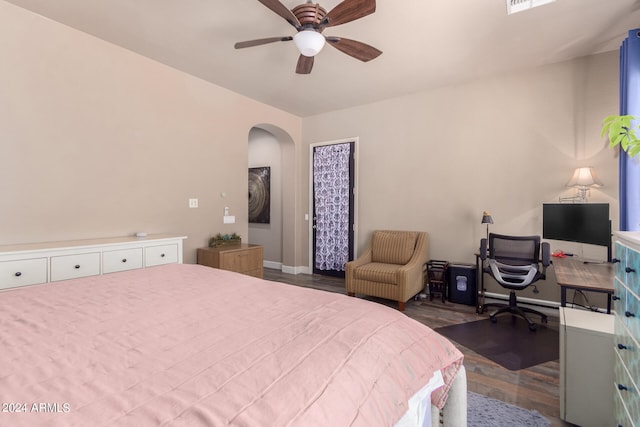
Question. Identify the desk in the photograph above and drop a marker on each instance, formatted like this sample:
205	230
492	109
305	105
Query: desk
578	275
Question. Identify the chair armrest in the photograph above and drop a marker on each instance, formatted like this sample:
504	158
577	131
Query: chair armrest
413	271
546	254
420	255
546	259
350	267
483	249
364	258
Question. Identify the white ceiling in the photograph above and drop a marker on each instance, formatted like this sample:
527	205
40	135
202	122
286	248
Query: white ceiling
425	43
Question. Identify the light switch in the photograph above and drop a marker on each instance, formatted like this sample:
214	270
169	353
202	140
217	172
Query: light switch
193	203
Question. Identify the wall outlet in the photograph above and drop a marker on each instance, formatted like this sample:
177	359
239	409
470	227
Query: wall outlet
229	219
193	203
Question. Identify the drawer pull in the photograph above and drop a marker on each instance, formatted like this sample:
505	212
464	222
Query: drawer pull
161	255
622	347
18	274
77	266
615	298
621	387
629	314
630	270
124	260
615	260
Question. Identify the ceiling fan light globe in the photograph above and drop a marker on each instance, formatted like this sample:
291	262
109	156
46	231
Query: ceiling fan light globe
309	42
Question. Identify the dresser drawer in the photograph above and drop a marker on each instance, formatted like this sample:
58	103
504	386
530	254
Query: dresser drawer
632	269
621	294
632	314
23	272
626	386
622	413
241	261
627	348
65	267
162	254
121	260
627	307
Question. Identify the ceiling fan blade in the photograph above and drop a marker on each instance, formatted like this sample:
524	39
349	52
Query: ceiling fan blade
282	10
347	11
305	64
354	48
258	42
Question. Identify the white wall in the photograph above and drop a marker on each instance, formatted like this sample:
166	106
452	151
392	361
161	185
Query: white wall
98	141
436	160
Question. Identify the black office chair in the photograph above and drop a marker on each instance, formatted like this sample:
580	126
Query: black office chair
514	262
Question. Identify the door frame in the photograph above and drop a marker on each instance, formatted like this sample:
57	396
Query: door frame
356	148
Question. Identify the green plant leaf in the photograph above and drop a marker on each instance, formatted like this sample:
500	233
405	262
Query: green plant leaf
620	131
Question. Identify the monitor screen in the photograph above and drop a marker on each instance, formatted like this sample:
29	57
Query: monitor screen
577	222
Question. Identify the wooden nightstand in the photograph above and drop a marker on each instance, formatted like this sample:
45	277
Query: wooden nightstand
244	258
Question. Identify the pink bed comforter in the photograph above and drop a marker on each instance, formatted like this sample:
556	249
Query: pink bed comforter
186	345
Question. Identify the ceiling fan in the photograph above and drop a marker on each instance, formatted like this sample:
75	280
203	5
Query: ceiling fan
310	20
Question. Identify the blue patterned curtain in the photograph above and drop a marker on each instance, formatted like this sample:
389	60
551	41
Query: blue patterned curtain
630	104
331	189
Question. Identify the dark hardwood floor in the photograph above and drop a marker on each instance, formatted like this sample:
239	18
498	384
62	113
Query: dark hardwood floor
533	388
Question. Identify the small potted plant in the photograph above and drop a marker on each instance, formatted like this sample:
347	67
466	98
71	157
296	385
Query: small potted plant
225	239
621	131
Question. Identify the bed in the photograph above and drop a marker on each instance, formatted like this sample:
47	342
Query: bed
188	345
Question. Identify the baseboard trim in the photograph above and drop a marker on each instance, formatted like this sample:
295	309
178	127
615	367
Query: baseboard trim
272	264
286	268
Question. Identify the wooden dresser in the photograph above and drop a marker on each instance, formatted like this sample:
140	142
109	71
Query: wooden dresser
34	263
627	329
243	258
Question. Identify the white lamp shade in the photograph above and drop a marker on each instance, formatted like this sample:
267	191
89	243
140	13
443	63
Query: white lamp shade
309	42
584	177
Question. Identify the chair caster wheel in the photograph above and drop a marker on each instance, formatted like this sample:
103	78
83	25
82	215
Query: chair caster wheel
545	320
493	319
533	327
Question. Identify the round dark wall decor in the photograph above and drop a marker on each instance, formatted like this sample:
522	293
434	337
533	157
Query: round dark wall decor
259	194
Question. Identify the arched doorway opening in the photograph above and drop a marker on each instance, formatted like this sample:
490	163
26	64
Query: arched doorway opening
272	147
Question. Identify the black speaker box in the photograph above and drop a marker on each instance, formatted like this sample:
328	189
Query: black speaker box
462	283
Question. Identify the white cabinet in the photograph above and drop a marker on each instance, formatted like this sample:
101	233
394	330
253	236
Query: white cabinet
586	367
35	263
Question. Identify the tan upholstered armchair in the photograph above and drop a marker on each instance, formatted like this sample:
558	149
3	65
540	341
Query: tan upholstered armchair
391	267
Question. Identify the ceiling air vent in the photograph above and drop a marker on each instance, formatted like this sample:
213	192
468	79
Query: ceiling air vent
514	6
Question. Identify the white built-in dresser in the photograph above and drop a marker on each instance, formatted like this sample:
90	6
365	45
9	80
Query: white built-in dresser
627	329
35	263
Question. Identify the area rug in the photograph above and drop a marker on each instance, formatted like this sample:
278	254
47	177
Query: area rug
483	411
508	342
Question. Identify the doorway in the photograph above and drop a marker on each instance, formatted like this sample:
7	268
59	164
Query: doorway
333	206
269	145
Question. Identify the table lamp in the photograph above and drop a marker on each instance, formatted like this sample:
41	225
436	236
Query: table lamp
583	179
487	219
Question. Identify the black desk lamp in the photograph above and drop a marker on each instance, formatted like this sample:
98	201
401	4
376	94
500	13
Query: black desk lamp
486	219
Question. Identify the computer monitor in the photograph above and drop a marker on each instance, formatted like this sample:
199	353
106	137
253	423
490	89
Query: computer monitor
578	222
